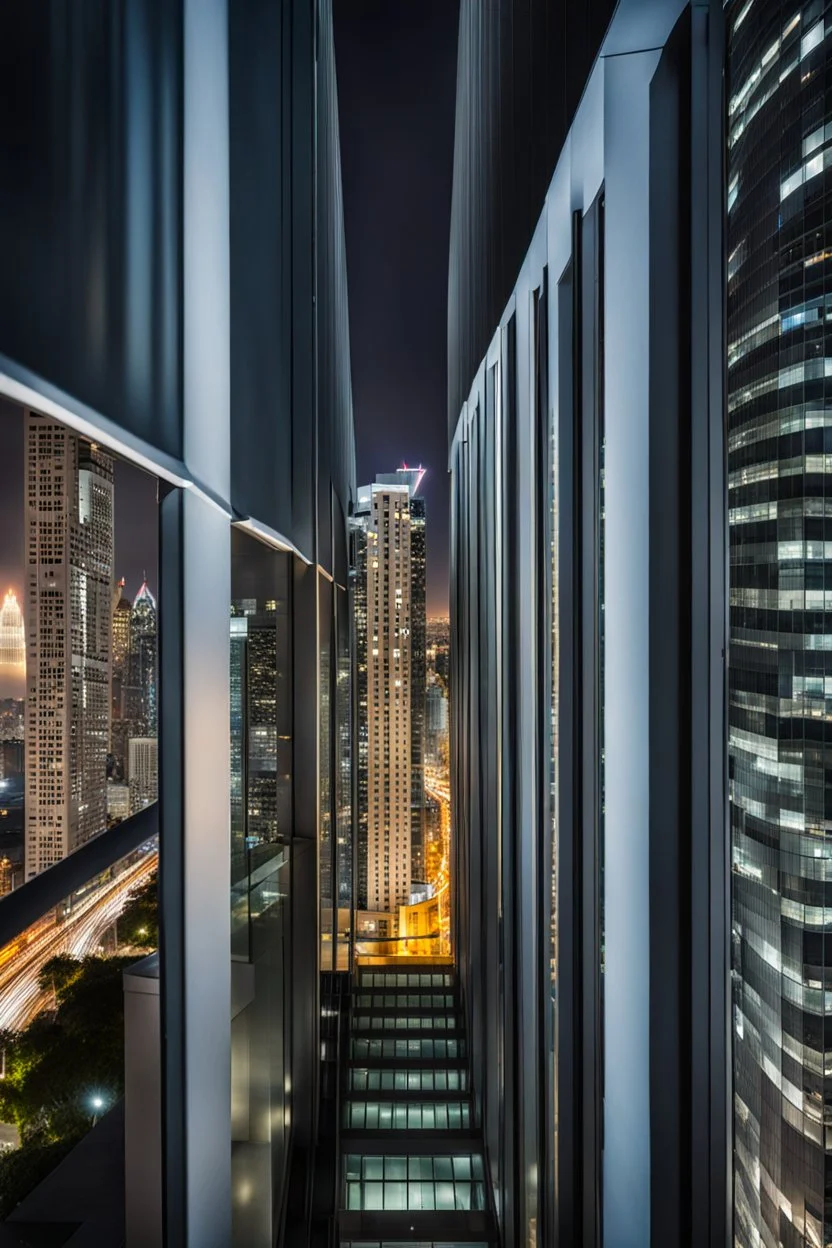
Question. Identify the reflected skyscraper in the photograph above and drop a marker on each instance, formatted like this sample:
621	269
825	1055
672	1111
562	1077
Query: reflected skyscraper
69	547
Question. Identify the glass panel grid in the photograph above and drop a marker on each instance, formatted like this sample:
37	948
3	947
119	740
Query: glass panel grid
408	1080
407	1115
406	979
404	1001
443	1183
364	1047
405	1022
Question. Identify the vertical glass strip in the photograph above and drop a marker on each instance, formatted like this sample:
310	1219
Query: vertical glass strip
325	769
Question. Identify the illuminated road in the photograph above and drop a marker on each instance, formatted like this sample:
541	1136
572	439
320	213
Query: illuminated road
437	784
79	934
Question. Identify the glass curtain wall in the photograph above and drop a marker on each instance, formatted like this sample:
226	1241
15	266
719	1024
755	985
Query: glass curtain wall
261	658
325	722
779	125
343	856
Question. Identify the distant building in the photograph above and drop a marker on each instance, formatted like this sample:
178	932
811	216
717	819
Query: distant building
118	801
120	674
389	542
69	547
12	634
358	587
12	755
436	721
140	699
12	719
143	766
6	876
259	795
121	647
412	477
439	648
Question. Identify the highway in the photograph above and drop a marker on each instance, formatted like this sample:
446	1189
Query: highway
78	934
437	784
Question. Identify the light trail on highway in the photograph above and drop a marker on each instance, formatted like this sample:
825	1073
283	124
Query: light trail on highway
78	934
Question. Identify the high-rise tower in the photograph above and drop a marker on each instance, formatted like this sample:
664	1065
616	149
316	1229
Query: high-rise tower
412	478
141	693
389	634
358	587
120	676
780	671
69	544
12	634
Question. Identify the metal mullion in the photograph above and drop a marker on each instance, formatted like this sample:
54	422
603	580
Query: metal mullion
588	523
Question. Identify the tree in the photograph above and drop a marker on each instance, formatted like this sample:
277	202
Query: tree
138	923
67	1056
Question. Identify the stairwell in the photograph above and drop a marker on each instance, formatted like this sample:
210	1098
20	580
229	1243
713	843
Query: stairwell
411	1165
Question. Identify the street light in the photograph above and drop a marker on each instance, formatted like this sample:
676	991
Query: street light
97	1103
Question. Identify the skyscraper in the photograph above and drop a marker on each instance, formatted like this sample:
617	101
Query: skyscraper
412	478
780	675
418	676
389	692
388	605
69	545
358	587
12	634
141	690
120	674
143	766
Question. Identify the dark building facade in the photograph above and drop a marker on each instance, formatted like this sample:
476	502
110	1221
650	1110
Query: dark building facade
173	252
589	617
778	399
358	596
522	68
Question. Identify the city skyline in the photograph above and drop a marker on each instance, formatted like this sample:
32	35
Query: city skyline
69	528
135	512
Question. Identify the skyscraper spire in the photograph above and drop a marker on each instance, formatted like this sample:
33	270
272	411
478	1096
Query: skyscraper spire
12	633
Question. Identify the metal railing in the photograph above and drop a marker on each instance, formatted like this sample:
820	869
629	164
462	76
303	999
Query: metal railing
29	903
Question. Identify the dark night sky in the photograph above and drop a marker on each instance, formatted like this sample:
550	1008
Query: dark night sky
135	513
396	68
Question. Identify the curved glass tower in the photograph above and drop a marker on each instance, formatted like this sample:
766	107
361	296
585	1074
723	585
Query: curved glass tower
780	672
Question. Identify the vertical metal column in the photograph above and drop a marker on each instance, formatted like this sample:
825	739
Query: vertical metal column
626	1194
194	684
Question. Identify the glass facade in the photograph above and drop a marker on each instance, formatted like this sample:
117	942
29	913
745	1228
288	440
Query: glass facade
361	1048
260	698
435	1183
261	718
406	979
408	1080
409	1000
587	582
197	329
413	1116
405	1022
779	411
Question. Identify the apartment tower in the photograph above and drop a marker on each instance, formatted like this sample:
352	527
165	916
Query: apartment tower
389	694
69	547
